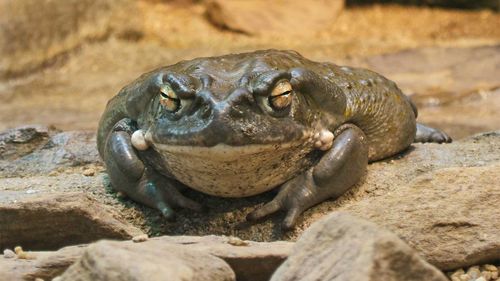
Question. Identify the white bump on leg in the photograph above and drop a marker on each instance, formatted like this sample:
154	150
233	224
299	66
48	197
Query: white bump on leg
326	137
138	140
323	140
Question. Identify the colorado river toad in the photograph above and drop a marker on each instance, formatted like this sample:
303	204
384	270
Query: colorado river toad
242	124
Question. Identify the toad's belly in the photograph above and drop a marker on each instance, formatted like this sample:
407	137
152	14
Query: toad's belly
236	171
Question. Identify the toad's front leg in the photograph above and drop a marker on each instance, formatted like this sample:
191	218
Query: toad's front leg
343	165
140	181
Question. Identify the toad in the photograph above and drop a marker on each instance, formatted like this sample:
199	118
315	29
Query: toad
242	124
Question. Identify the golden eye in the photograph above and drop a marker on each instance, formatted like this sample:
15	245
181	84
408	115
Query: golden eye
281	96
169	99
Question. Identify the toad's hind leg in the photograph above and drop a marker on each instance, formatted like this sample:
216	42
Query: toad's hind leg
139	181
429	134
338	169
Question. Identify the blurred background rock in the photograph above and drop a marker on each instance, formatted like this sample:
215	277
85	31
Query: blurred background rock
462	4
61	60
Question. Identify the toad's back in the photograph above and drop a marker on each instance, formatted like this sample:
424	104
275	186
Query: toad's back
377	106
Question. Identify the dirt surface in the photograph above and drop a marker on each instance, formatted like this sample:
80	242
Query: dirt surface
71	92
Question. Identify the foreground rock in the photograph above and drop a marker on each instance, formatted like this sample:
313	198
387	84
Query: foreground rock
343	247
275	17
107	260
251	261
449	216
44	265
53	221
485	272
244	257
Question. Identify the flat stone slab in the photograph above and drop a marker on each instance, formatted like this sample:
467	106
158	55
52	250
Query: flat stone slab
56	220
244	257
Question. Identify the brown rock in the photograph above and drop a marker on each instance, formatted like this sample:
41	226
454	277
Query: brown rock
30	150
14	269
89	172
54	221
437	76
51	264
15	143
343	247
152	260
455	79
140	238
447	215
46	266
40	32
244	260
249	260
278	17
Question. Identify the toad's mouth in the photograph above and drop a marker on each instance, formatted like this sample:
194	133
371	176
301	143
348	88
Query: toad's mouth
235	171
224	152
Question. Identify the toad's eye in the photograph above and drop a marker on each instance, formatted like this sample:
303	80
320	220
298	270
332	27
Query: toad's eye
281	96
169	99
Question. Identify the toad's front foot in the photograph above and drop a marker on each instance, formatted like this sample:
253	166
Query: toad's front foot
295	196
339	168
139	181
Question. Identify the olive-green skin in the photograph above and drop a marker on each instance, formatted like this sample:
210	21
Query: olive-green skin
225	130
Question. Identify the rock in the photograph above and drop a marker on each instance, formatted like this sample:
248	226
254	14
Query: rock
436	76
275	17
464	277
89	172
50	152
474	272
445	214
140	238
22	255
490	267
343	247
53	221
464	4
244	257
15	143
266	256
41	32
51	264
443	81
485	272
477	114
152	260
13	269
8	254
455	276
